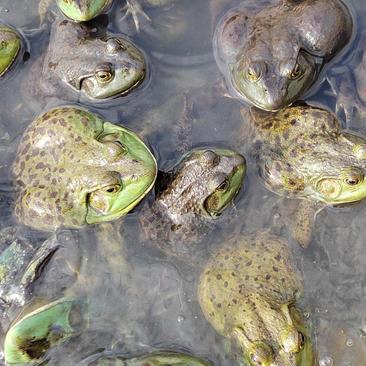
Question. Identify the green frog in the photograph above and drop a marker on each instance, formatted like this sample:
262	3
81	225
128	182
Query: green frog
10	46
301	152
198	189
271	57
73	168
41	327
248	292
88	61
159	358
83	10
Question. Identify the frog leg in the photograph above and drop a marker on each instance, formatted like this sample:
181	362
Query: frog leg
134	9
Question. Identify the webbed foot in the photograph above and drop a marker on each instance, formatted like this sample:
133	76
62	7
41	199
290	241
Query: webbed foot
134	9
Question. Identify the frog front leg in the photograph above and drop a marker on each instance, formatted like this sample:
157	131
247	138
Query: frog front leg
133	8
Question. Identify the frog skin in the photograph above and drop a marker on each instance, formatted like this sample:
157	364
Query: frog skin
41	327
271	57
97	67
198	189
10	46
248	292
159	358
83	10
21	263
73	168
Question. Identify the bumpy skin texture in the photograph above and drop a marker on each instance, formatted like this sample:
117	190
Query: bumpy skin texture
272	56
98	67
247	291
10	45
301	152
73	168
160	358
83	10
197	190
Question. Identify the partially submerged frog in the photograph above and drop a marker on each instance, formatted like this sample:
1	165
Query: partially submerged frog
271	57
83	10
301	152
160	358
97	66
10	46
21	262
73	169
198	189
248	292
41	327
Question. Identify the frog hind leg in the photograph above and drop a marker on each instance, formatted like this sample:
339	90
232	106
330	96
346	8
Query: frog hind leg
133	8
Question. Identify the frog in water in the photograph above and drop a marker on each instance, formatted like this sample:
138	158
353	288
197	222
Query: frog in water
301	152
98	67
83	10
198	189
10	46
248	292
271	57
73	168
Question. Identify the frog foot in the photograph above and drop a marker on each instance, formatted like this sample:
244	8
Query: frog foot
134	9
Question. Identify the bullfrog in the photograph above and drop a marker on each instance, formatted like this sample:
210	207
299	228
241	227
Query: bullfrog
43	326
73	168
272	56
21	262
159	358
195	191
83	10
301	152
248	291
10	46
100	66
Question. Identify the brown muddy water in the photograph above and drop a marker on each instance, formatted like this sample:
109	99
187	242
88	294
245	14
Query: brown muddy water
141	300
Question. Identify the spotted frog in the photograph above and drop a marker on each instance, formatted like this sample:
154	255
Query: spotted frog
73	168
248	292
272	56
198	189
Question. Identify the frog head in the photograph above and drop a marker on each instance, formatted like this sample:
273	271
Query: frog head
272	84
73	169
205	182
10	44
83	10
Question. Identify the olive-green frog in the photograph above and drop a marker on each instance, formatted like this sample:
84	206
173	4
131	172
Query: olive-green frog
83	10
10	46
91	62
248	292
73	168
272	56
198	189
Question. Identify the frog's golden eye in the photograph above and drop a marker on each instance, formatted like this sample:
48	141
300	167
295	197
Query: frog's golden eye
296	72
114	188
302	340
223	186
252	74
352	181
104	73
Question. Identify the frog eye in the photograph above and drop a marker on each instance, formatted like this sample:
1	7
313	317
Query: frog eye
104	73
114	188
223	186
296	72
302	340
252	74
354	179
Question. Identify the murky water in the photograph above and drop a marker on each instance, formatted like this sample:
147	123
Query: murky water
141	301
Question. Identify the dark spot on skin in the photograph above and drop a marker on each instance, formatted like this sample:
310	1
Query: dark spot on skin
293	121
248	263
268	277
275	269
218	277
286	115
278	257
40	166
52	65
226	284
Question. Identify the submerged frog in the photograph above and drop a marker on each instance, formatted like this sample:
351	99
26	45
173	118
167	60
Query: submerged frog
72	169
270	57
301	152
10	45
198	189
248	292
80	59
160	358
41	327
83	10
20	264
